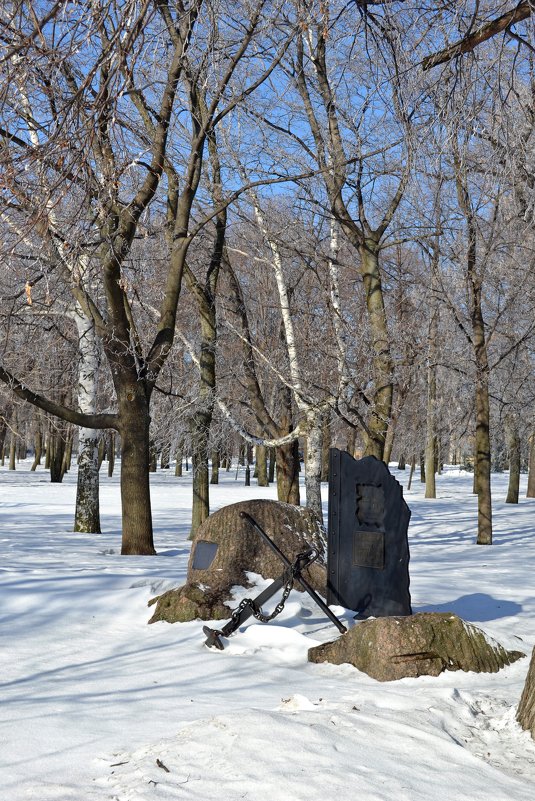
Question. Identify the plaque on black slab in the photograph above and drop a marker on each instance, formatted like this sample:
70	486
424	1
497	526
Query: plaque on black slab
368	549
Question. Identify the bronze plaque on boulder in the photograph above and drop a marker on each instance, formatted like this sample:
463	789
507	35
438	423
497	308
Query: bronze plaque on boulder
368	551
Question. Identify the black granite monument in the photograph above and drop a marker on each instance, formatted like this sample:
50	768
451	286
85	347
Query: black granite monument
368	550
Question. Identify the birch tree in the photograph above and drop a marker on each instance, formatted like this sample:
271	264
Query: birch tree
112	92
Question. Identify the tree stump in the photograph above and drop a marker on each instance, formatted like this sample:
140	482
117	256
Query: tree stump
425	644
238	550
526	708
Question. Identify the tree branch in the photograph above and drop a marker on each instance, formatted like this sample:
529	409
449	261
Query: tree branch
57	409
522	11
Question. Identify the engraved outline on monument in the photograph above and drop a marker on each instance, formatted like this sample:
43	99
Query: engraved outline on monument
368	536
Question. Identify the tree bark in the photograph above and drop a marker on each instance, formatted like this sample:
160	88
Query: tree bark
530	492
57	446
3	431
202	418
134	418
12	452
87	513
287	460
261	466
153	456
111	453
513	445
48	451
430	484
271	465
178	463
314	440
67	456
326	444
411	474
482	467
165	456
38	443
383	370
526	708
216	460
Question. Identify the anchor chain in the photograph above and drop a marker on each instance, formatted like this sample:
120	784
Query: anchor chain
256	611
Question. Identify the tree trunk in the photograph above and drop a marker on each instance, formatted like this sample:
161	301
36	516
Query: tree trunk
178	463
87	514
165	456
383	370
111	453
526	708
87	510
261	466
48	451
22	450
101	451
38	450
12	451
351	443
482	466
57	452
215	466
389	441
411	474
530	493
202	419
67	455
153	457
430	438
137	538
200	508
314	448
271	466
287	459
513	445
326	444
3	431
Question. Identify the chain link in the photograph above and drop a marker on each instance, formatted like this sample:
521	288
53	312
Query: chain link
257	612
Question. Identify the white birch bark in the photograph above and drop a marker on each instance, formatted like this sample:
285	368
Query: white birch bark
284	303
87	512
313	462
311	412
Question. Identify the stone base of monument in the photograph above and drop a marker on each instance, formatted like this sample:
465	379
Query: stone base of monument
226	548
424	644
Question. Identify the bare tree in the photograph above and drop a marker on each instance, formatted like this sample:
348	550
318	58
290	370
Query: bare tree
107	133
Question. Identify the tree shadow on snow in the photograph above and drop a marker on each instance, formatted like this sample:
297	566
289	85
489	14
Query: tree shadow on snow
476	607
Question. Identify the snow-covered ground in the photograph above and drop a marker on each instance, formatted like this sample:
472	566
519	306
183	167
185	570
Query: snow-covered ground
96	704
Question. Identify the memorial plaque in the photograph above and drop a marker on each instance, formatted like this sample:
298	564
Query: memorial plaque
204	554
368	551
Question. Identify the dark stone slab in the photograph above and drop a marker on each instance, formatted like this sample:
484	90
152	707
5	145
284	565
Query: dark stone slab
368	550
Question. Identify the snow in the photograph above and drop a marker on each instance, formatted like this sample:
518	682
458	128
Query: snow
96	704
